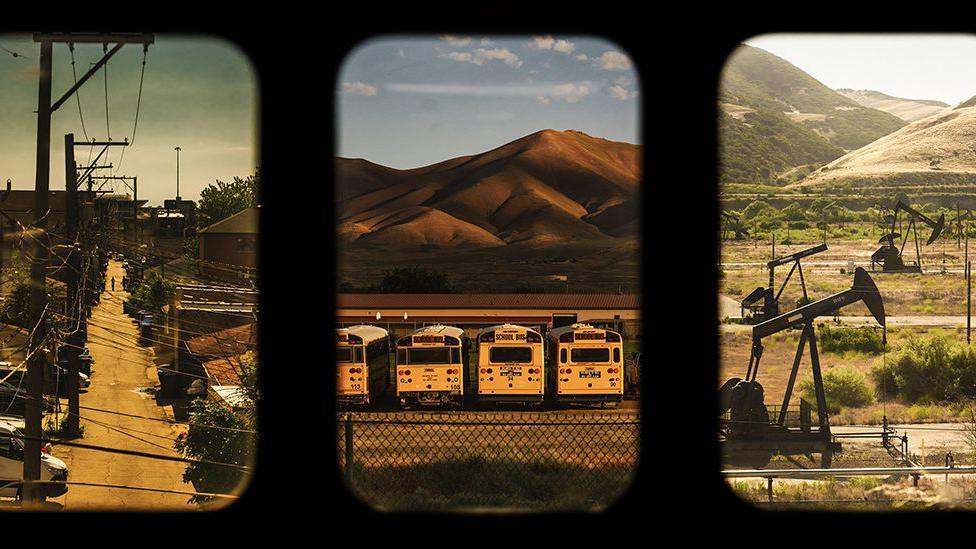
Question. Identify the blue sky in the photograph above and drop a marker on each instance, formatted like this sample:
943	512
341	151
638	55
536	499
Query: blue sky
199	93
911	66
407	101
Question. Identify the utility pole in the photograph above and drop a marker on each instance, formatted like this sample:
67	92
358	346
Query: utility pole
177	149
39	263
38	297
72	311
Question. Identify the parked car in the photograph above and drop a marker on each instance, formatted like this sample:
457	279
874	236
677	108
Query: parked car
12	465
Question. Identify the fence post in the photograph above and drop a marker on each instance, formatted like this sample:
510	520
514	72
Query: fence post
349	449
769	488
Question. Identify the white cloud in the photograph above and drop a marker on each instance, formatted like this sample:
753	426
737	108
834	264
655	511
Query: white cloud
612	61
570	92
581	57
455	40
358	88
401	53
481	55
550	43
621	92
564	46
542	42
486	42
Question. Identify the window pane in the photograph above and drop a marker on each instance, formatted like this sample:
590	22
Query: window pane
521	355
591	355
359	355
401	356
616	355
343	354
439	355
562	355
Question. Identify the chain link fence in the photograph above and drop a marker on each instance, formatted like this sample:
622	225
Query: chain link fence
459	461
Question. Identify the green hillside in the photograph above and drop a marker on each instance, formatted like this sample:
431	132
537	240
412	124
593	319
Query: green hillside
765	144
756	78
784	119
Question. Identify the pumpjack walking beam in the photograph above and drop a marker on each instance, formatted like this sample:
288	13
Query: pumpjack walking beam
771	300
777	436
38	296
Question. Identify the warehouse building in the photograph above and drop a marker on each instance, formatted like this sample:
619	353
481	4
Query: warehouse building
401	313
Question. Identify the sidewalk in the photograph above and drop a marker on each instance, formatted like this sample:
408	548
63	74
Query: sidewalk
121	374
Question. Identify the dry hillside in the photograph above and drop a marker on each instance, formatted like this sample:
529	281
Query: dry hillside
550	186
936	149
908	110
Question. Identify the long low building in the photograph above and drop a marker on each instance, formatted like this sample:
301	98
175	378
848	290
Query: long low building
475	311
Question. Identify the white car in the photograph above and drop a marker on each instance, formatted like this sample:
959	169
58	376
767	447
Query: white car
12	465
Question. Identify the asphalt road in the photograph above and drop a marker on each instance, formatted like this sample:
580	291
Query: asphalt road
121	374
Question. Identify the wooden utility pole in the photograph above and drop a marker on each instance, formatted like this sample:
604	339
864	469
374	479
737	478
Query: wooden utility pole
32	492
73	312
38	297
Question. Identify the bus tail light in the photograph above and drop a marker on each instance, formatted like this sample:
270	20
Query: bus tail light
566	338
448	340
489	370
483	370
569	370
532	337
488	338
613	337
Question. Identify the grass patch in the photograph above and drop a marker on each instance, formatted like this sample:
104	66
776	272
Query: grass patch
479	482
843	387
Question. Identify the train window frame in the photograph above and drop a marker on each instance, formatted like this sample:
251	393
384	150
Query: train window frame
578	350
493	349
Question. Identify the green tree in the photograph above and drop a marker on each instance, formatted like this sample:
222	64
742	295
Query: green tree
222	200
153	292
413	279
219	434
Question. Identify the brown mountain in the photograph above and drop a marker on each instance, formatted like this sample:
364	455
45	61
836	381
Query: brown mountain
550	186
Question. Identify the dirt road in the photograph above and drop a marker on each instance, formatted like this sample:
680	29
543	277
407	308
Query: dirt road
121	375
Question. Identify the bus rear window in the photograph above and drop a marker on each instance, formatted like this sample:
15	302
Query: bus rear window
522	355
591	355
343	354
439	355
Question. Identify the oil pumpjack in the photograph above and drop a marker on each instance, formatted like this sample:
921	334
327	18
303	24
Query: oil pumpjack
762	301
750	433
889	255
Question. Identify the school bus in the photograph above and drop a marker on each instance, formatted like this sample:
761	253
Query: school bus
430	365
362	365
511	365
585	365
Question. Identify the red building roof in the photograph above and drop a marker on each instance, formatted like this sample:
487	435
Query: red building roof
229	342
488	301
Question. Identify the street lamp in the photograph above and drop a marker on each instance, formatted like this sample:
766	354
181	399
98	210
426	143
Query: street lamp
177	149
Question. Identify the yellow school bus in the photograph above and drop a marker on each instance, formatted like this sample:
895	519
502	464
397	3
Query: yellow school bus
585	365
362	364
430	364
511	365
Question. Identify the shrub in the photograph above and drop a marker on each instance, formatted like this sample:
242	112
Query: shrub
839	340
842	387
929	370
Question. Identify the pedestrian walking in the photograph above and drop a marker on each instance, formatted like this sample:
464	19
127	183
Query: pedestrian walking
113	283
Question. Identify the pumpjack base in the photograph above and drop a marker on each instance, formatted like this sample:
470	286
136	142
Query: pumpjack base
756	453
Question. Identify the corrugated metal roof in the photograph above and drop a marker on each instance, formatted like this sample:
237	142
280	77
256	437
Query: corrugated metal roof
488	301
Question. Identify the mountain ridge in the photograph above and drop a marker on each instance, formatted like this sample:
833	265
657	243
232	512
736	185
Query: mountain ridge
547	186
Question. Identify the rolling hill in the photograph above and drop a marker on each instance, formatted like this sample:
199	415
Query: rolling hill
550	186
776	118
908	110
938	150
